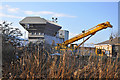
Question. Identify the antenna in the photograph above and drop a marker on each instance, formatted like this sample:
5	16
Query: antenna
54	19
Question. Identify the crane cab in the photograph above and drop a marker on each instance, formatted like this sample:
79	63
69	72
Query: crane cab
73	46
100	52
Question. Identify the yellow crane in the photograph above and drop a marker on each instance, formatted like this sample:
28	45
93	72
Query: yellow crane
89	32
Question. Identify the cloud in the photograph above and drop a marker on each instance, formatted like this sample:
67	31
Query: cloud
9	9
29	12
38	13
12	10
10	16
48	13
1	7
32	13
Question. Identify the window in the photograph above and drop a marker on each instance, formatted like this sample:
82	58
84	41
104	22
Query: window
32	33
42	34
60	33
99	51
28	26
31	25
37	33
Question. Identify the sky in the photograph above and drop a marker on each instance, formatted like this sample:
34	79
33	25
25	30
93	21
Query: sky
72	16
60	0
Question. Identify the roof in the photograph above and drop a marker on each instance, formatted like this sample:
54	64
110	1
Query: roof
40	24
36	20
114	41
33	20
51	22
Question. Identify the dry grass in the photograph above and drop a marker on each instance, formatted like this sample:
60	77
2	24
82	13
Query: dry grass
38	63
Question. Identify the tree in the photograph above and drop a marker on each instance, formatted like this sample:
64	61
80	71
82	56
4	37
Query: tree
10	41
10	34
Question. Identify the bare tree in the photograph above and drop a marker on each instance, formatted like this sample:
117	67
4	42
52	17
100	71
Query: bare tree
10	34
10	42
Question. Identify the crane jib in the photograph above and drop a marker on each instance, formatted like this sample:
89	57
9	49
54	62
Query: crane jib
88	32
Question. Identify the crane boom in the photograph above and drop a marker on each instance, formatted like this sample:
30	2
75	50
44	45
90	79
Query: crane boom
91	31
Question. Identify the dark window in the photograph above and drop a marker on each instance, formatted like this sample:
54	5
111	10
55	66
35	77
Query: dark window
37	33
99	51
32	33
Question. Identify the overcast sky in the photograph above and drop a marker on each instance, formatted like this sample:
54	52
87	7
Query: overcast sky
72	16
